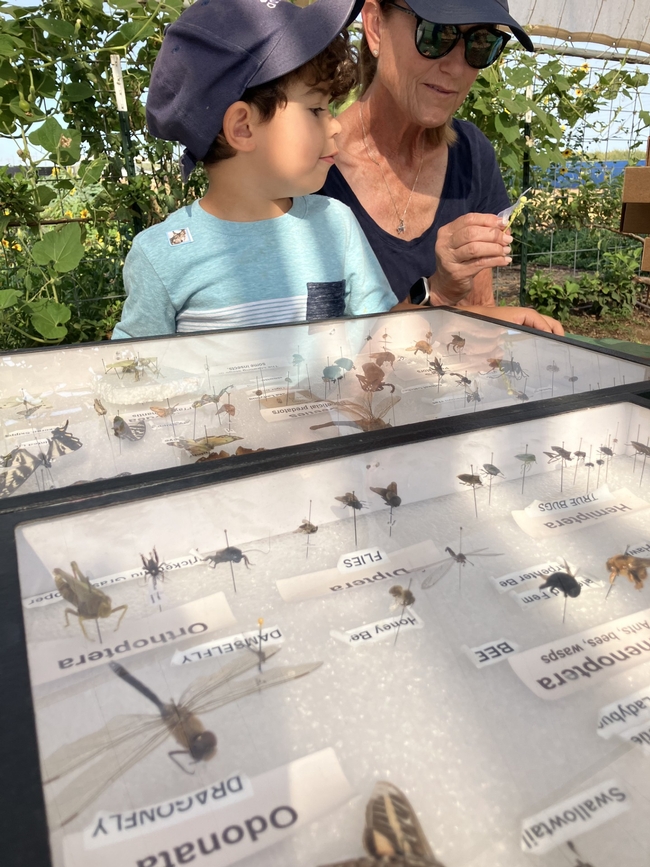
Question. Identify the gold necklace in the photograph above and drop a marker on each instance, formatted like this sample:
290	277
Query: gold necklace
401	228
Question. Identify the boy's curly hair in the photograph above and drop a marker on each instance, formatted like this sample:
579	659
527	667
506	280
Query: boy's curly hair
336	66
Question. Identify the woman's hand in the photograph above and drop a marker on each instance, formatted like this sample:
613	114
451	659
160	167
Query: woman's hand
519	316
464	248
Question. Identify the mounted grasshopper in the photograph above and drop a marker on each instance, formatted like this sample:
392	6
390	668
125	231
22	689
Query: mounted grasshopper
89	602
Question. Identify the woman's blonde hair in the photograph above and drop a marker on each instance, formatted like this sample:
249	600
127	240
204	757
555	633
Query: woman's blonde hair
367	70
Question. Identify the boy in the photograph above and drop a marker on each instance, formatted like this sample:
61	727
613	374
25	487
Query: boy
245	85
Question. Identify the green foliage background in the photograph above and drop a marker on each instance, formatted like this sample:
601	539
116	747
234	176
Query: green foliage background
65	231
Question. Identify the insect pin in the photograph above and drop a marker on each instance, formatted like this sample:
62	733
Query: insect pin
490	471
390	496
350	499
90	603
563	582
527	460
473	481
393	836
153	569
403	598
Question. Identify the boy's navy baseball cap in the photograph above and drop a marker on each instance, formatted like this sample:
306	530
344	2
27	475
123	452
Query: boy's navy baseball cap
471	12
217	49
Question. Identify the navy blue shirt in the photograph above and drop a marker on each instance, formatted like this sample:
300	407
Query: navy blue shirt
473	184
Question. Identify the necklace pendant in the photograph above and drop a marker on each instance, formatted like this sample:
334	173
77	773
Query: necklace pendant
401	228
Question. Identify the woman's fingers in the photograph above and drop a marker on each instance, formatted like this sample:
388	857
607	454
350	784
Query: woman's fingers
465	247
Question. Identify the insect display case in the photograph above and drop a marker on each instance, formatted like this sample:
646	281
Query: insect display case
434	642
117	410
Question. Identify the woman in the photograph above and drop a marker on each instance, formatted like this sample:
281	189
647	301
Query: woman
427	189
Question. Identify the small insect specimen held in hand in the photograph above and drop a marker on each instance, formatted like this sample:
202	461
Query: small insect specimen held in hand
373	378
634	568
203	446
403	597
133	432
384	357
392	836
104	755
564	582
90	603
457	343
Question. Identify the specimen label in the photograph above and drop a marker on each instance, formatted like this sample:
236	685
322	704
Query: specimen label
361	560
114	826
51	660
298	410
615	718
536	573
533	596
491	652
585	659
328	581
379	630
223	646
576	815
546	526
283	801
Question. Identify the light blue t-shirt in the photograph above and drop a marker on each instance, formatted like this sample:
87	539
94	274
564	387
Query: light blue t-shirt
195	272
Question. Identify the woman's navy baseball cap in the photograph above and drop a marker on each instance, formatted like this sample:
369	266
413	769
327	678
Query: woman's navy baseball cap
471	12
217	49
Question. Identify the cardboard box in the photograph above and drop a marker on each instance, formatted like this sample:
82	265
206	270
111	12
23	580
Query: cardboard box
635	216
645	261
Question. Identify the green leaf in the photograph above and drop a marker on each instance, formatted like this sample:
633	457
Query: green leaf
63	145
48	319
510	159
47	135
56	27
4	222
7	46
45	194
540	158
509	130
130	32
62	247
91	172
8	298
77	90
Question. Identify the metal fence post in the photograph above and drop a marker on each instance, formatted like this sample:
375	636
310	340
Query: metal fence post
525	184
125	130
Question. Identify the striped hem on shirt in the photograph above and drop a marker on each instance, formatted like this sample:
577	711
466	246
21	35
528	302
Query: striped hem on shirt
271	312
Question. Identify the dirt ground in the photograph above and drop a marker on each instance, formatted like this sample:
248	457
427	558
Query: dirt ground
634	328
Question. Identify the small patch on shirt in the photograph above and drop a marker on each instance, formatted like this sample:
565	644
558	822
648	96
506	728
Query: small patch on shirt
182	236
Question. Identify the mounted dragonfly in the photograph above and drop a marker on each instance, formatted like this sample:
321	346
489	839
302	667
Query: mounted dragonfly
103	756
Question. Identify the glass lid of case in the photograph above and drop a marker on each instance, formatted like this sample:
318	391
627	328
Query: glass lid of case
87	412
454	632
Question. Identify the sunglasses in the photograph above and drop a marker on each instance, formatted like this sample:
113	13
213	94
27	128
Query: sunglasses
483	43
